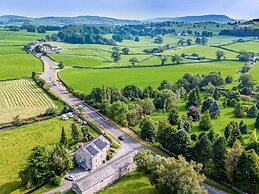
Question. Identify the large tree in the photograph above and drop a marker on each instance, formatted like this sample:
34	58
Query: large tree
63	139
203	149
148	129
180	143
205	122
74	132
173	117
220	55
194	98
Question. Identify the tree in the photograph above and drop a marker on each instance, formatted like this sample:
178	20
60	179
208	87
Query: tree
214	110
203	149
137	39
118	112
252	112
204	40
181	42
180	143
229	79
220	55
166	99
185	124
246	80
239	111
74	132
133	61
193	113
159	40
198	40
17	121
134	115
60	65
216	94
176	59
163	59
116	56
63	139
125	51
148	129
85	132
232	156
257	122
189	42
234	135
148	106
247	171
173	117
165	134
219	159
206	104
210	88
245	56
243	127
132	92
117	37
253	136
205	122
180	172
193	98
148	92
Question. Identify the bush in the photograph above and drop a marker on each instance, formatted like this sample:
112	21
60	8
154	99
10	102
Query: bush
56	180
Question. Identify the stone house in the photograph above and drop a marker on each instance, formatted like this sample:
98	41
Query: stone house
91	155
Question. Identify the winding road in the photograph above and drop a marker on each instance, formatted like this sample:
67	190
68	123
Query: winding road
128	145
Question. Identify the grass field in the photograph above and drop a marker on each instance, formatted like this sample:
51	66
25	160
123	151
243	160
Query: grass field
86	79
252	46
18	65
16	146
134	183
205	51
22	97
254	72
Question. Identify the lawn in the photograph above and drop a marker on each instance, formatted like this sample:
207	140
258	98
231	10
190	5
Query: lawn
18	65
16	145
142	77
133	183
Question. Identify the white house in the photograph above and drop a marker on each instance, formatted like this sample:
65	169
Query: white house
91	155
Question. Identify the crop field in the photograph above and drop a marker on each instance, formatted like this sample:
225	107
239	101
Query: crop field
22	97
142	76
252	46
16	144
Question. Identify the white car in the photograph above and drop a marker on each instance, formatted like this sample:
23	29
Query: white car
70	115
70	177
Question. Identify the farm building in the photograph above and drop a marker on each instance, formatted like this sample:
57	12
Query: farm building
91	155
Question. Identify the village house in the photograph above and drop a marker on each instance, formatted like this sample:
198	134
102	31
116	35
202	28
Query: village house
92	154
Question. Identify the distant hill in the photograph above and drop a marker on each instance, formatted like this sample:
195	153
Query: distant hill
62	21
98	20
196	19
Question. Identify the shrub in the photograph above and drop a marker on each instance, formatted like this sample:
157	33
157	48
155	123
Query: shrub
56	180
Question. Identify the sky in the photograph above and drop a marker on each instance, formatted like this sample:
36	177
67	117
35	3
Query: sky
131	9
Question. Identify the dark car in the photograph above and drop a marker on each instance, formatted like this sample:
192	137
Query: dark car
122	138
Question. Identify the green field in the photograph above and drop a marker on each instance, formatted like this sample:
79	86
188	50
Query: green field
134	183
205	51
16	146
86	79
252	46
18	65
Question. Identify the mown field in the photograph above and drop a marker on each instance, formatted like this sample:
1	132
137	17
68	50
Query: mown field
22	97
86	79
16	146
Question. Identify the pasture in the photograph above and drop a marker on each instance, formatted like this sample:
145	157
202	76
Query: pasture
24	98
18	65
142	77
251	46
16	146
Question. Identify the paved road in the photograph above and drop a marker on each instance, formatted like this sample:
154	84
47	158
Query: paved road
128	145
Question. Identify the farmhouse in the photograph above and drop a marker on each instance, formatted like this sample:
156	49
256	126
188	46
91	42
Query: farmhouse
91	155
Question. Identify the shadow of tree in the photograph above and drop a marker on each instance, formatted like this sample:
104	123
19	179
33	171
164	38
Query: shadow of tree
9	187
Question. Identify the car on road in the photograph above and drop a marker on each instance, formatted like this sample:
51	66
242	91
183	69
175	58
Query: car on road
70	177
70	115
122	138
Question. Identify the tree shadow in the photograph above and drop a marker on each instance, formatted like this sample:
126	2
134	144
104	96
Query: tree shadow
9	187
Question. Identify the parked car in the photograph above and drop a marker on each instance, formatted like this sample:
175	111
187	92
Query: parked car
84	123
64	117
122	138
70	177
70	115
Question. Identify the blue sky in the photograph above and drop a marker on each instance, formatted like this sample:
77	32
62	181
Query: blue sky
131	9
